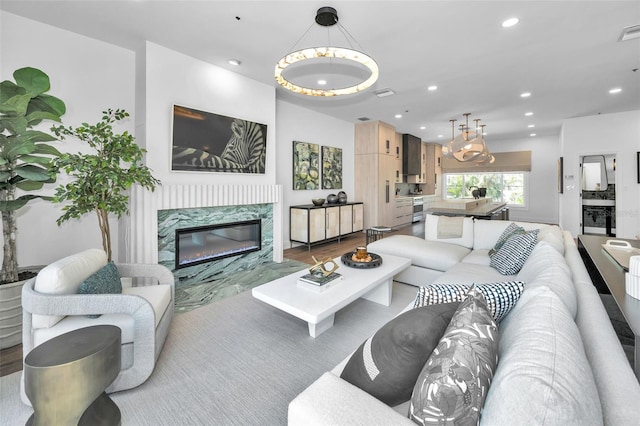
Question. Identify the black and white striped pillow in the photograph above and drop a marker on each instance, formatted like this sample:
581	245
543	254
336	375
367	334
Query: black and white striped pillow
501	297
510	230
514	253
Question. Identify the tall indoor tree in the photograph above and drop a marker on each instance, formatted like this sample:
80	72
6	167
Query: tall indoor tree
102	177
25	157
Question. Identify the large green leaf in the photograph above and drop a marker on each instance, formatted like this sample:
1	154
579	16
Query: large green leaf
4	176
48	104
10	205
42	148
8	89
30	185
15	148
16	105
33	172
36	159
32	79
15	125
36	136
38	116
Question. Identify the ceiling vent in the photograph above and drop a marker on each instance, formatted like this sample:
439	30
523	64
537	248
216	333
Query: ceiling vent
384	92
364	119
629	33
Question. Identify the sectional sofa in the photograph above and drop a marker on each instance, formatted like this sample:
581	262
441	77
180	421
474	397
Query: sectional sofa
559	359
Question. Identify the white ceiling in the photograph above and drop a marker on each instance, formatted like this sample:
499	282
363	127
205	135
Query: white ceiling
565	53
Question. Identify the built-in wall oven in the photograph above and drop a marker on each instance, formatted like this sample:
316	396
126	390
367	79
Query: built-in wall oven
418	203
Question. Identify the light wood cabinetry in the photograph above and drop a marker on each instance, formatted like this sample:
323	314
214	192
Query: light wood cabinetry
398	151
376	171
309	224
403	211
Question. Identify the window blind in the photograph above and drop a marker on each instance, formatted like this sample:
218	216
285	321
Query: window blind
516	161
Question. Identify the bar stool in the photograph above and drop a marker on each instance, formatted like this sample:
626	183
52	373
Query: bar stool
65	378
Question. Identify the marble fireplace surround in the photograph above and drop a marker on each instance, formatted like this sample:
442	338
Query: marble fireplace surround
141	228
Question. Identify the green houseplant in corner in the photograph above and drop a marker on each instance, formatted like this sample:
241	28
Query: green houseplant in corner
25	165
103	177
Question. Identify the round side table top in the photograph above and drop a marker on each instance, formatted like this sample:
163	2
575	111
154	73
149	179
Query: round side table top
72	346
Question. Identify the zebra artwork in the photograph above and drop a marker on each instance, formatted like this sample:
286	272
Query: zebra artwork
204	141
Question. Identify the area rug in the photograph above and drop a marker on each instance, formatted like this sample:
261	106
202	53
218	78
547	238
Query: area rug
236	361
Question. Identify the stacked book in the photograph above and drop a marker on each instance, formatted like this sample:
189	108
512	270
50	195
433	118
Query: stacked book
318	283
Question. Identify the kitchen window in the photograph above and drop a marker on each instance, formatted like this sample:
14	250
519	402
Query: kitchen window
510	188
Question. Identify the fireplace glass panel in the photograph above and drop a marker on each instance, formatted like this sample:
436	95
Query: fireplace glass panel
213	242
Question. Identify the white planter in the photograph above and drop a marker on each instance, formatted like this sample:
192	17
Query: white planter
11	314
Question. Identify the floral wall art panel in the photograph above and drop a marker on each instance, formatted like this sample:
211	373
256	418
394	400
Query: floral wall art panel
306	161
331	168
204	141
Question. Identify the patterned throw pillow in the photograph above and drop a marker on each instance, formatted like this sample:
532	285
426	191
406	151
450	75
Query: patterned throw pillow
387	364
514	253
104	281
454	382
500	297
510	230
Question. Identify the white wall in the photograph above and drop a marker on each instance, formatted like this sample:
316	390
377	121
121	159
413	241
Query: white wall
617	134
175	78
543	183
89	76
299	124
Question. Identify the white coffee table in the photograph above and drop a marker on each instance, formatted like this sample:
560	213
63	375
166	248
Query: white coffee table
318	309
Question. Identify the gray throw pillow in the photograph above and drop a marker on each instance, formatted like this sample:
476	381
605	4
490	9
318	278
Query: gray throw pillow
387	364
454	382
104	281
510	230
514	253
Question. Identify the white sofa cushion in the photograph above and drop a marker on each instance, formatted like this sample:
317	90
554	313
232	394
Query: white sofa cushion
547	267
431	232
159	296
552	235
426	254
469	273
543	375
64	277
487	232
478	257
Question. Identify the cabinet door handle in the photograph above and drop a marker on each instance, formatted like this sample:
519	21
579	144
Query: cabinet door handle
387	191
388	146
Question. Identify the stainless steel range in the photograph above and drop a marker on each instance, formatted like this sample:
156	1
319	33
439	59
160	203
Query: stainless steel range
418	203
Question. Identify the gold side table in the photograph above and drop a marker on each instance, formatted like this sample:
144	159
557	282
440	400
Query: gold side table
65	378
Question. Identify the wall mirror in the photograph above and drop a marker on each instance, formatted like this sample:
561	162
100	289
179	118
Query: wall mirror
594	173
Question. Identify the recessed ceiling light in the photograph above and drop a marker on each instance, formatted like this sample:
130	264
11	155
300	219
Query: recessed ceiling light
531	125
322	82
525	94
532	134
422	127
528	114
398	115
234	62
510	22
384	92
432	88
615	90
441	136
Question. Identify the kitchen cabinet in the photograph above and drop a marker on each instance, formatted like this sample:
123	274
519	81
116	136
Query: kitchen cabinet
309	224
412	155
403	211
376	171
398	161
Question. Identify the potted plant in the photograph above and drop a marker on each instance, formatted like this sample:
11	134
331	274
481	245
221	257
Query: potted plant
103	177
25	165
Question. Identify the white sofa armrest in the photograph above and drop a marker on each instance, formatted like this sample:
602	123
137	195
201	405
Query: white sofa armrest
333	401
147	270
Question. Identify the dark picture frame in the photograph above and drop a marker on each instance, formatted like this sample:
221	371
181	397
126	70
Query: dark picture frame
331	167
208	142
306	165
560	175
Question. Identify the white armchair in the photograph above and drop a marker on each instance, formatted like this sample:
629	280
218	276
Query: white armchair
51	306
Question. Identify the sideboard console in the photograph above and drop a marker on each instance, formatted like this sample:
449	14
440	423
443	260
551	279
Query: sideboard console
309	224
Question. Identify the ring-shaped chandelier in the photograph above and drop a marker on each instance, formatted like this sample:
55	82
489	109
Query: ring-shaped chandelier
327	17
327	52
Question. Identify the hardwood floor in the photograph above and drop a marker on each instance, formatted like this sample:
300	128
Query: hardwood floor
11	358
335	248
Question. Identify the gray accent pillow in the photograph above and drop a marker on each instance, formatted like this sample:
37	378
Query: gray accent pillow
514	253
454	382
104	281
500	297
387	364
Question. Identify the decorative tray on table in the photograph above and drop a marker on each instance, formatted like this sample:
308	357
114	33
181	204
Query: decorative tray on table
620	251
372	261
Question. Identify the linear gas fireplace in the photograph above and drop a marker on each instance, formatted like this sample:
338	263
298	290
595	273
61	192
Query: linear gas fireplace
213	242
